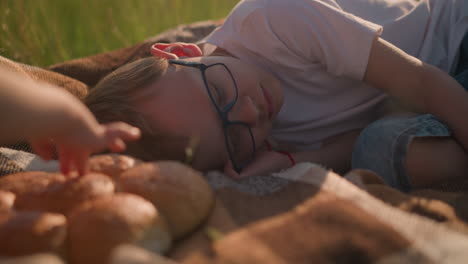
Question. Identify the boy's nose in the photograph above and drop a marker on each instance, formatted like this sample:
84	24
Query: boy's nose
245	110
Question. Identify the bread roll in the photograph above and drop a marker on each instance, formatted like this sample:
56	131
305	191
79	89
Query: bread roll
112	164
179	192
97	226
6	201
31	181
63	196
42	258
29	232
128	253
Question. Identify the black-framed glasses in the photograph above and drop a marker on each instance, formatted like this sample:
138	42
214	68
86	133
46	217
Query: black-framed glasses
222	90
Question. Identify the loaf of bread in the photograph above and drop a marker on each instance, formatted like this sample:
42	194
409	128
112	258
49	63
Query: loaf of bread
28	232
97	226
179	192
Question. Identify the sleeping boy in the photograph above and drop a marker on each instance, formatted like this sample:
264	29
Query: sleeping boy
282	82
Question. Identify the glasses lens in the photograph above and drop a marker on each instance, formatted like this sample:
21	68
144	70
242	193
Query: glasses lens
221	86
240	144
223	92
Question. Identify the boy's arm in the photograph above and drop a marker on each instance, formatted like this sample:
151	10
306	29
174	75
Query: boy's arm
335	154
422	87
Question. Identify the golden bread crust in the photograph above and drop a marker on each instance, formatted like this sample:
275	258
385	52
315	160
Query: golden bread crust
181	193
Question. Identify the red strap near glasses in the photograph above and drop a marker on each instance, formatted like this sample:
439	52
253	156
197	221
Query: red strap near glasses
289	156
270	148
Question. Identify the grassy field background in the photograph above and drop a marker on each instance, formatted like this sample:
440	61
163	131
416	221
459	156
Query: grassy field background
44	32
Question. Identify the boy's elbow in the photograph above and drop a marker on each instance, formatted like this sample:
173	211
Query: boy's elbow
433	85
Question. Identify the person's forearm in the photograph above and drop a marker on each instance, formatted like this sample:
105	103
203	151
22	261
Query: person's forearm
14	105
446	99
25	111
335	154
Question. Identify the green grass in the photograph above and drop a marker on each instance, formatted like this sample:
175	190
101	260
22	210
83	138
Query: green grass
44	32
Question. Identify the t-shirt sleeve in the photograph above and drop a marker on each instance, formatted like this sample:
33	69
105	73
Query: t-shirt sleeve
299	31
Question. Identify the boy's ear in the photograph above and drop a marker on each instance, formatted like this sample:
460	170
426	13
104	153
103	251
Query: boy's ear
178	50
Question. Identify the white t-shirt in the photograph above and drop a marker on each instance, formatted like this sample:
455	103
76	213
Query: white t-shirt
319	50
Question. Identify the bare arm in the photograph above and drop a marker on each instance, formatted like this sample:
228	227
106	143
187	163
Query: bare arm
26	108
422	87
335	154
49	117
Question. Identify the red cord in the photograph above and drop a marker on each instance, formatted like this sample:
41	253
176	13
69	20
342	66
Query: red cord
289	156
268	146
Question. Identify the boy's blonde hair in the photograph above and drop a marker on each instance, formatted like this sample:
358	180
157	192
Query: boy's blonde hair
114	98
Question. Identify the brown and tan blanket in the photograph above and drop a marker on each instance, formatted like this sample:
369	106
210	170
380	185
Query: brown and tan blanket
305	214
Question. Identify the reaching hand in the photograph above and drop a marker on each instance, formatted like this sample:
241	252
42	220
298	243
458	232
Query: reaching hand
75	146
51	119
265	162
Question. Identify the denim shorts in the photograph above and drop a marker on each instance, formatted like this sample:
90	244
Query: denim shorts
382	146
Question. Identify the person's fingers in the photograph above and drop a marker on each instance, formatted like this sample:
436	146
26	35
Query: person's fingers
116	145
122	130
115	135
64	160
253	169
264	164
257	167
80	161
43	148
229	170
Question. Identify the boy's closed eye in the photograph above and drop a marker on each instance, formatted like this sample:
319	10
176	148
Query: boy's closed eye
219	95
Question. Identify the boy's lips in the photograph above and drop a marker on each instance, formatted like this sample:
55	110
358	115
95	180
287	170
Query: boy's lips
268	101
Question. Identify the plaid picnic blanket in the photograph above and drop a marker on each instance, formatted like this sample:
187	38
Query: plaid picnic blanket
306	214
